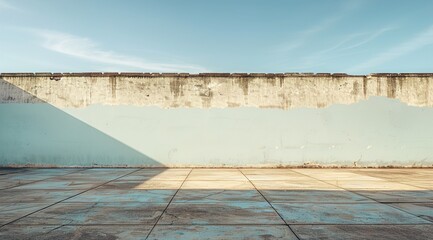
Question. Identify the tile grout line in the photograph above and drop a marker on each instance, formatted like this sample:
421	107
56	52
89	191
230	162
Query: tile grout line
166	207
19	185
364	196
290	228
1	226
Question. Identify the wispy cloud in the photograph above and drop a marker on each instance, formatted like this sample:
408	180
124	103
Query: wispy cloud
340	49
303	36
323	25
349	42
86	49
370	37
421	40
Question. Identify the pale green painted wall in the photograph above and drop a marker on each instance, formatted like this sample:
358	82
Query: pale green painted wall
375	132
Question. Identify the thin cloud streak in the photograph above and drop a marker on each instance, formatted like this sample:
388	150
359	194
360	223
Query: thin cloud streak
307	34
323	25
86	49
368	39
423	39
340	48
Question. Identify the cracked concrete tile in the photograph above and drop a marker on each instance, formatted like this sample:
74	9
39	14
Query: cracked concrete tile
101	175
12	211
422	210
319	196
128	195
120	185
162	177
362	213
53	171
217	178
222	232
90	179
58	184
228	185
24	177
364	232
6	171
45	172
425	184
334	174
278	177
268	171
214	171
155	184
7	184
216	175
97	213
35	195
158	174
207	196
398	174
143	185
101	232
274	174
373	185
108	171
398	196
220	213
291	184
18	232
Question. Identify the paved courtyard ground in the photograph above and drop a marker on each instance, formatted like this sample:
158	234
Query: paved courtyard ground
216	203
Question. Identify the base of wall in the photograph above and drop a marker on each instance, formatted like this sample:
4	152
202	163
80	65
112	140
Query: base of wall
225	167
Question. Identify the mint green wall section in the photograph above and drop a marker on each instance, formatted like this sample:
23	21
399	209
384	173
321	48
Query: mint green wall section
376	132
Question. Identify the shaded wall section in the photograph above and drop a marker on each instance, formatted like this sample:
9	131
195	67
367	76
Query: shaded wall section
39	134
214	120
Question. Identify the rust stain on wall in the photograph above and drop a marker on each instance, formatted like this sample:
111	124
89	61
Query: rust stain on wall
364	85
355	88
176	87
391	87
243	84
113	83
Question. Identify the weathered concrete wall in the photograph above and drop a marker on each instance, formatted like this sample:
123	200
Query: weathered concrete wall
135	119
216	90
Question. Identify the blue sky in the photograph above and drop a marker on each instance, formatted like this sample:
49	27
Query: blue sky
356	37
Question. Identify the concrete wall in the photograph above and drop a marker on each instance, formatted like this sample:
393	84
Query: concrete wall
135	119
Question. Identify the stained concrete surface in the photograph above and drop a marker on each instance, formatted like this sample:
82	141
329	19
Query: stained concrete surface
214	90
215	204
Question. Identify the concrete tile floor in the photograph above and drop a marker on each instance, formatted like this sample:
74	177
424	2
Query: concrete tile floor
216	204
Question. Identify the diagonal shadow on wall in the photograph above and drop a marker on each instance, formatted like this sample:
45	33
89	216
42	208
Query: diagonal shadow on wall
35	133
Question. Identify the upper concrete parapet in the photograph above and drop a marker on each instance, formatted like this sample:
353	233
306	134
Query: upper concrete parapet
213	90
148	74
